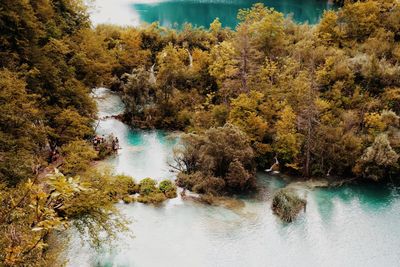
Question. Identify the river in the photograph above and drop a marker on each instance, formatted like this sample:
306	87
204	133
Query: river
173	13
347	226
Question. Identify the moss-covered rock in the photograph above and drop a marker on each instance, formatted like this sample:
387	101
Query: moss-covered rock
287	204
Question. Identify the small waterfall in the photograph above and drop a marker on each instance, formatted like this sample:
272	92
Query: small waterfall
152	78
190	59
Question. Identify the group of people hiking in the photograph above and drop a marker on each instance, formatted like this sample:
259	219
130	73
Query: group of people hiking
100	143
111	142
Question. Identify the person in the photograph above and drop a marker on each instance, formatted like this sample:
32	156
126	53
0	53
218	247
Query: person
117	142
113	144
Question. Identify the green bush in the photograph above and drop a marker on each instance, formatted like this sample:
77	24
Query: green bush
150	193
147	186
168	188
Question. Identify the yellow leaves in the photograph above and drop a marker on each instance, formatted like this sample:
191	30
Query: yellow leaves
336	68
287	141
245	114
374	122
270	71
327	28
396	51
58	47
224	65
391	97
70	125
77	156
215	26
268	33
12	256
322	104
201	60
295	166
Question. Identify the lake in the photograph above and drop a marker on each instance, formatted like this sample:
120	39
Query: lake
354	225
173	13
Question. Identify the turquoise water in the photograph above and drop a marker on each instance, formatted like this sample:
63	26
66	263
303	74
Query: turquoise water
347	226
173	13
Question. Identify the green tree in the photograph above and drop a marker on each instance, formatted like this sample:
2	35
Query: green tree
22	132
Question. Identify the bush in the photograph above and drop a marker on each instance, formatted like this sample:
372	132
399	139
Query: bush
150	193
168	188
128	199
287	204
123	186
147	186
153	198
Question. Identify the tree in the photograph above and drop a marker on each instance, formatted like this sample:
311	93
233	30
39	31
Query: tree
69	126
218	161
245	113
379	160
224	69
32	211
22	133
287	141
138	92
77	156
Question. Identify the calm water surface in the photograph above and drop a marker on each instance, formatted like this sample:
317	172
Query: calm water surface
348	226
173	13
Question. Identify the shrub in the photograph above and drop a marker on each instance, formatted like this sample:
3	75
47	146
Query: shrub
168	188
150	193
128	199
147	186
123	186
287	204
153	198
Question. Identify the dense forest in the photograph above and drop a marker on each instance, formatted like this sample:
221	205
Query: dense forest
318	100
